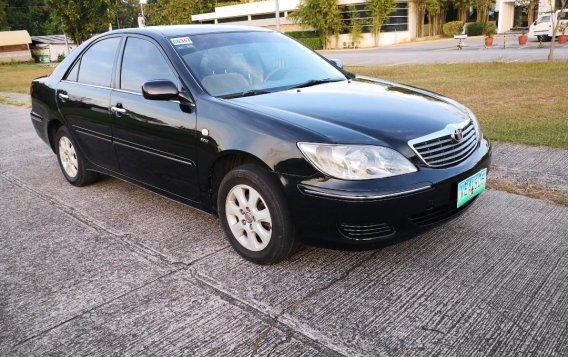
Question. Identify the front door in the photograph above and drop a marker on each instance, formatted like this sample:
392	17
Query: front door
154	140
83	99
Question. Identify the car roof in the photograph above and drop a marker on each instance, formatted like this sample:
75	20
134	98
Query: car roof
184	30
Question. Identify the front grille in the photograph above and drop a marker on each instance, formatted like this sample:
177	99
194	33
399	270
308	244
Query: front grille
365	232
439	214
440	149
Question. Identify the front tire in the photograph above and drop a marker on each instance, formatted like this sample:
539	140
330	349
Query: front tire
254	215
71	161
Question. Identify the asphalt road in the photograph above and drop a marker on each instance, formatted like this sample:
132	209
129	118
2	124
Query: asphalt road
114	269
446	51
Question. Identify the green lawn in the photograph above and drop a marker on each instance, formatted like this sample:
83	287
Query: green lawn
517	102
17	77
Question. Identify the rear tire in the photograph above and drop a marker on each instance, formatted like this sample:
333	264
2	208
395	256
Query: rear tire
255	216
71	160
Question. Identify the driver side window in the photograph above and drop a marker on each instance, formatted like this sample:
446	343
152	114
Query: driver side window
143	62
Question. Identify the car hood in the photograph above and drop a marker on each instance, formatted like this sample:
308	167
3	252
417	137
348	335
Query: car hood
363	110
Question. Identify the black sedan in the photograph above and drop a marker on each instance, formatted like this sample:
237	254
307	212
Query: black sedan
282	144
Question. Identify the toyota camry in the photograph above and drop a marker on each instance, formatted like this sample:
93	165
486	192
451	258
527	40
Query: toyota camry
280	143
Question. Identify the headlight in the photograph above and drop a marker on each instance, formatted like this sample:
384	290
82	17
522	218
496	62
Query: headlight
356	162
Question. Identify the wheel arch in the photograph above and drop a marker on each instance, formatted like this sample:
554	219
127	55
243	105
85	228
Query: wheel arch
225	162
52	126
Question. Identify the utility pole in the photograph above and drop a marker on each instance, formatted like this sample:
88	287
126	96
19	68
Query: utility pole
277	16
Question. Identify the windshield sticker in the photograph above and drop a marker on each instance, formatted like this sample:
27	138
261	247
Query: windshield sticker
181	41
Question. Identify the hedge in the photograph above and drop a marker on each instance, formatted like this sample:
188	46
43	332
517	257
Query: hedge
308	38
453	28
475	28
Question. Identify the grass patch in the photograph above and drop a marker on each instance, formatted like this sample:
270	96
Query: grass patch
15	102
516	102
17	77
550	196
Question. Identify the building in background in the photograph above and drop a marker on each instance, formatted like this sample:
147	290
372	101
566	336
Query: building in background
511	16
401	26
49	48
15	46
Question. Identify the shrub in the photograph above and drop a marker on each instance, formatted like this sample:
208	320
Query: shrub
453	28
302	34
489	30
308	38
60	57
475	28
312	42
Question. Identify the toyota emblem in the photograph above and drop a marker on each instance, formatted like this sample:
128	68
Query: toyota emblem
457	136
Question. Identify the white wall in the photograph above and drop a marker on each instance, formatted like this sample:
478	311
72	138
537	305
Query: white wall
506	15
15	56
385	39
55	50
263	7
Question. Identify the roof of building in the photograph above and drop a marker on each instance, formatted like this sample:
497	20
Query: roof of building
9	38
51	39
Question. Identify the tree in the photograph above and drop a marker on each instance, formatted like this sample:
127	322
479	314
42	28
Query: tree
30	15
528	8
483	7
356	33
555	26
379	11
82	18
463	8
124	13
322	15
3	21
420	14
436	10
173	12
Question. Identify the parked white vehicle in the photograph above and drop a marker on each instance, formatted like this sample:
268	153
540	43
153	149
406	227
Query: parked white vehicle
542	27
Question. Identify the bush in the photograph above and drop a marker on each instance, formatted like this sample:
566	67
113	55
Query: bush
308	38
302	34
60	57
490	29
312	42
475	28
453	28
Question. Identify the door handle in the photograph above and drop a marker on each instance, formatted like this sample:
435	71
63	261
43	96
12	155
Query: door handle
117	110
63	96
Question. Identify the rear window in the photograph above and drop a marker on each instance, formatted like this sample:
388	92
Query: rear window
97	62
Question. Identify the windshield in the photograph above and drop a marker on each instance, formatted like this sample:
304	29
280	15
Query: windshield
543	19
249	63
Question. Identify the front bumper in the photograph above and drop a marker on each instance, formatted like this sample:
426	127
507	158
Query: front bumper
374	212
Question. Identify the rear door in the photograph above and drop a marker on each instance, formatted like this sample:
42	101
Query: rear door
154	139
83	98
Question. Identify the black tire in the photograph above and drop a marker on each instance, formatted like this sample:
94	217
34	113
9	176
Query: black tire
83	176
282	241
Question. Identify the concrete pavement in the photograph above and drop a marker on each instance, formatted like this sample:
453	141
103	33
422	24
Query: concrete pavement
114	269
445	51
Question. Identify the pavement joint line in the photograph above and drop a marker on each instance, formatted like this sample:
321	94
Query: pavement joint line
138	248
88	311
266	317
276	319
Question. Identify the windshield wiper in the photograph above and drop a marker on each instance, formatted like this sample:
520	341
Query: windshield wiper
247	93
315	82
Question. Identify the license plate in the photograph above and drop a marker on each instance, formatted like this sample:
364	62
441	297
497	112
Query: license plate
471	187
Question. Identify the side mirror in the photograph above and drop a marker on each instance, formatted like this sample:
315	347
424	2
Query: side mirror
337	62
160	90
